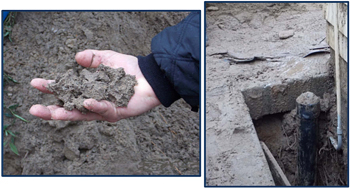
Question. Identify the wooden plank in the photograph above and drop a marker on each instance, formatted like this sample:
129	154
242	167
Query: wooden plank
336	15
330	35
330	15
277	173
343	47
343	19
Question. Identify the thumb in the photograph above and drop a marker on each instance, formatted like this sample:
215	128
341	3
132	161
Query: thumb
88	58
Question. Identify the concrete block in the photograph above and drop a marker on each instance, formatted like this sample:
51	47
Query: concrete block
234	156
278	98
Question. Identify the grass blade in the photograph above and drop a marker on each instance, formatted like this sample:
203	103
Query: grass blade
19	117
14	148
11	133
13	80
12	107
4	144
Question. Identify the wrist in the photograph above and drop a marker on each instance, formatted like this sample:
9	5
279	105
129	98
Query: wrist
155	77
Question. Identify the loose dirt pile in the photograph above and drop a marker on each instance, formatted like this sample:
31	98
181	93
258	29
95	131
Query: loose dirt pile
106	83
163	141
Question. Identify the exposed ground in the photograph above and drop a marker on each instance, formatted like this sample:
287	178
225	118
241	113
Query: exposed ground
164	141
255	67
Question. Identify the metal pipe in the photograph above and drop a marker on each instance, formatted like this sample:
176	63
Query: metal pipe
337	145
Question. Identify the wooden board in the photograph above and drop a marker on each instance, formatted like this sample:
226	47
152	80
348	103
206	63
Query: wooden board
277	173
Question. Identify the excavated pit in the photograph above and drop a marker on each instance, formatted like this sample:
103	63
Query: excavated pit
279	132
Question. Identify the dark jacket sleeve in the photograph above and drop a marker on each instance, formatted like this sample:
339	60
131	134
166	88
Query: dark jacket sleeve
172	69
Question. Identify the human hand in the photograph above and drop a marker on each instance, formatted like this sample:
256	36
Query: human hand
143	100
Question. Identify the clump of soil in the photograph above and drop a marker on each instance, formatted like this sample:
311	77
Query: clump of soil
106	83
307	98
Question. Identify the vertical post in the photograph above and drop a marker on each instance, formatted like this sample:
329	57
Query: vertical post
308	110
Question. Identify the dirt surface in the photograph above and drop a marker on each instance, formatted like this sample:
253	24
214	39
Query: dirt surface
272	39
255	29
106	83
163	141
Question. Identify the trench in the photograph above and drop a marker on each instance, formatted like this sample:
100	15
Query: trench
279	131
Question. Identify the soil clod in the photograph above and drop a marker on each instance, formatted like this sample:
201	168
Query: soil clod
106	83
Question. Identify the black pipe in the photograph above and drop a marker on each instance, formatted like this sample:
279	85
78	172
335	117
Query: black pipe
308	110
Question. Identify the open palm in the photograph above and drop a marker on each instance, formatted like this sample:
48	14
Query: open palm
143	100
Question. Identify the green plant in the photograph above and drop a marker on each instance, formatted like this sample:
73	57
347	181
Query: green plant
8	24
11	142
10	112
8	79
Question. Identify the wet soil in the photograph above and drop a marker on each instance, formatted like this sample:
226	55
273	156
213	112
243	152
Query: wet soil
163	141
106	83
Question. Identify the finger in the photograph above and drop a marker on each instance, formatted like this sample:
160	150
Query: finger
74	115
89	58
105	108
54	112
40	111
41	84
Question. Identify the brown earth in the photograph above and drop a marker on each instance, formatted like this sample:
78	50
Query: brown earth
105	83
163	141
